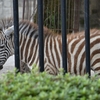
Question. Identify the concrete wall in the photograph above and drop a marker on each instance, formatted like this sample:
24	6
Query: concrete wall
6	8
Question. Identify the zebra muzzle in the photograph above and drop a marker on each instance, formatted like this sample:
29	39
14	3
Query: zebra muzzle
1	67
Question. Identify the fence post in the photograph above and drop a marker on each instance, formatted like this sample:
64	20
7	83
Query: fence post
16	34
87	36
64	36
41	42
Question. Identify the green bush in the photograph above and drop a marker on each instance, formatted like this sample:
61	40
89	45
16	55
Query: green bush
42	86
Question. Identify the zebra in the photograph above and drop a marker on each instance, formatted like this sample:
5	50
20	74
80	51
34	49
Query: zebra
5	23
28	40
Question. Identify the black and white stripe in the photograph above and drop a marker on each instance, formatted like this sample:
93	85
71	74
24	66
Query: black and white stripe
28	36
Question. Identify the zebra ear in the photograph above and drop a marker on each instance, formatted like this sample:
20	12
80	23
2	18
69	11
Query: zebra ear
9	31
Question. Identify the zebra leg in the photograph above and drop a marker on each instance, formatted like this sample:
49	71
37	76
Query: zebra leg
24	67
92	73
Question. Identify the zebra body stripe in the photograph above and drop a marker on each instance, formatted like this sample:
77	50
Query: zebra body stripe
29	49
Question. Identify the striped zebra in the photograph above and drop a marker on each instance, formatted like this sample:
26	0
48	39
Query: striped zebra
28	36
5	23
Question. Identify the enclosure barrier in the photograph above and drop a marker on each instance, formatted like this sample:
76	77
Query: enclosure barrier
63	20
41	45
87	36
16	34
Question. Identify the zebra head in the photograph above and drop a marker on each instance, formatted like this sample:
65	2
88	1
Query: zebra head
6	45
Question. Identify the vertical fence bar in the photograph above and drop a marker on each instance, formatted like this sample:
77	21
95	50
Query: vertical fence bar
87	36
63	23
16	34
23	9
41	42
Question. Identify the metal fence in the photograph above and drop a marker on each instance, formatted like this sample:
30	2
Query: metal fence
63	25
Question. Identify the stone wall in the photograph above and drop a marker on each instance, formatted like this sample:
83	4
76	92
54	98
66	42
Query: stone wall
6	8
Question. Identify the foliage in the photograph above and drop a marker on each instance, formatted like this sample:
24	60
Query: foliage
42	86
52	15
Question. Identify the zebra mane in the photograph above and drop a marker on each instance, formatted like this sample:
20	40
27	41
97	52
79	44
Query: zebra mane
81	34
48	32
34	27
6	22
2	36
